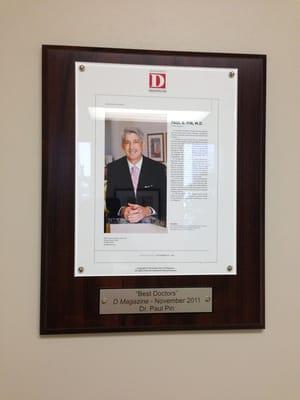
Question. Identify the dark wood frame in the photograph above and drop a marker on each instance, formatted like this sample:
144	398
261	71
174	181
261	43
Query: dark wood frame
71	305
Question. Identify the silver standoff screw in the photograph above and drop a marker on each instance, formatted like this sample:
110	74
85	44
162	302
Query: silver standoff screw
80	269
229	268
231	74
104	300
207	299
81	68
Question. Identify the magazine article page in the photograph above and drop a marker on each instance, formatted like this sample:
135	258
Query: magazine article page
155	171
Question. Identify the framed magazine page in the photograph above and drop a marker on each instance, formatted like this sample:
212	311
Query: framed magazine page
153	215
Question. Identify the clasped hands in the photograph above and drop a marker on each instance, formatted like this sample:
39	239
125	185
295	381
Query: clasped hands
135	213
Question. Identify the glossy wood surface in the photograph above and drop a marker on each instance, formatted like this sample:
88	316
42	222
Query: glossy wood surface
71	305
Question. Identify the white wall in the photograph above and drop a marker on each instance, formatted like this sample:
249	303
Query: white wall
169	366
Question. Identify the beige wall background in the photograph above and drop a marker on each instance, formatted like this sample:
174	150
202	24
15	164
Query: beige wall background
178	365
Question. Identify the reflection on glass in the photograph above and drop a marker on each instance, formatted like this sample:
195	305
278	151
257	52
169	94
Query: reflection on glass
85	159
135	114
84	169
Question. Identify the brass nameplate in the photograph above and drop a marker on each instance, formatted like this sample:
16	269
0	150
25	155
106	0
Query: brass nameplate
155	300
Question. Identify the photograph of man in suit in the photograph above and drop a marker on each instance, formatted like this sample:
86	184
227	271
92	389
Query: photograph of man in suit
136	185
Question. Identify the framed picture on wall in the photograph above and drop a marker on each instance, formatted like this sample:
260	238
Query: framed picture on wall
135	237
156	145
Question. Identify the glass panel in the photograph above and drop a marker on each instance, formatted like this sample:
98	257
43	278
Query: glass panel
155	170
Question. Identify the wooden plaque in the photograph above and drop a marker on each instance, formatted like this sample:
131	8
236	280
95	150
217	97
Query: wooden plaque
70	303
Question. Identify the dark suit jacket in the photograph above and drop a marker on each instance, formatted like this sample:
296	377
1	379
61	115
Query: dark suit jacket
151	190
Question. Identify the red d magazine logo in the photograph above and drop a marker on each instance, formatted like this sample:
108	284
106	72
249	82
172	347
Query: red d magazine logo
157	80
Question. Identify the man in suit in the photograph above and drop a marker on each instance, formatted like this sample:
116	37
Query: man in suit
136	185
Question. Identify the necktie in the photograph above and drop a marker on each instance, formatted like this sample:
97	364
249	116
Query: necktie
135	177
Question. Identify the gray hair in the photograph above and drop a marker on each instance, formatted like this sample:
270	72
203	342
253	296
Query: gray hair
137	131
